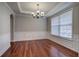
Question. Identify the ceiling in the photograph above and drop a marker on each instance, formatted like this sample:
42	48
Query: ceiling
29	7
43	6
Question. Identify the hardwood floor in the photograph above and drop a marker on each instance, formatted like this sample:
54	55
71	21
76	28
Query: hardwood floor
38	48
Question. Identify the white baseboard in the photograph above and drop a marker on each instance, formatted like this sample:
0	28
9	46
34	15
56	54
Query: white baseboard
4	49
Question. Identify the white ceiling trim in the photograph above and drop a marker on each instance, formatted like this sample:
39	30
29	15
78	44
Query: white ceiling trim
9	8
20	9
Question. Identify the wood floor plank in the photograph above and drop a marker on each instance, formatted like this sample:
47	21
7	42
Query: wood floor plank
38	48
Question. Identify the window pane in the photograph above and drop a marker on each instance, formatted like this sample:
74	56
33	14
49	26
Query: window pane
66	18
55	21
66	31
54	30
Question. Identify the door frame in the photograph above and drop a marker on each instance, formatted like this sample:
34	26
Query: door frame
11	28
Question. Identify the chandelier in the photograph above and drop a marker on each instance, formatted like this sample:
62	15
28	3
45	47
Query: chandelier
38	13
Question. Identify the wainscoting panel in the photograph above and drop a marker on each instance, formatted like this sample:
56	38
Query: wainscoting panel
20	36
4	43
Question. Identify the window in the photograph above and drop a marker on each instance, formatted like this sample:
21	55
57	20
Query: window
62	25
55	26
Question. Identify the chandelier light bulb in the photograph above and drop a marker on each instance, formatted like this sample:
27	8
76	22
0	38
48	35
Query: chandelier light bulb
42	13
32	13
38	13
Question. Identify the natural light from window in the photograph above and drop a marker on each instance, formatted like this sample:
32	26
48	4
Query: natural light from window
61	25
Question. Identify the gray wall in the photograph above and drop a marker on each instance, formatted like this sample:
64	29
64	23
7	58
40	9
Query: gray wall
5	12
28	23
74	43
28	28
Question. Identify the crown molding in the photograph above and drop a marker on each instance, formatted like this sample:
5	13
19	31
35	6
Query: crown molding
9	8
22	11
